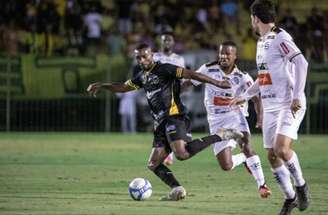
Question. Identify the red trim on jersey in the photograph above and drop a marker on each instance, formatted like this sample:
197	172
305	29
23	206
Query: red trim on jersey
284	48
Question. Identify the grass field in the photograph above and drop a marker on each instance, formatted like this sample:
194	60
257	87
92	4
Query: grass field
88	173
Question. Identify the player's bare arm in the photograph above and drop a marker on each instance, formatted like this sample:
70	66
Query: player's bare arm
188	74
258	110
114	87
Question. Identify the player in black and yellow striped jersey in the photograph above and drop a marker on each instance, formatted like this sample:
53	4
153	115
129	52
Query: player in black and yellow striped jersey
161	83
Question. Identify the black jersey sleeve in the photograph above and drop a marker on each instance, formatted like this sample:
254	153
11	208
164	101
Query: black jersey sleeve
135	82
173	71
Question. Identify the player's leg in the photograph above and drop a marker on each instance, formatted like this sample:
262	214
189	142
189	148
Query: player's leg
224	159
253	164
159	152
179	136
287	131
155	162
279	171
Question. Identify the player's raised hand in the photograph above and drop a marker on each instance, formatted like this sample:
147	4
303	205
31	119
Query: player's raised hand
223	84
295	106
94	88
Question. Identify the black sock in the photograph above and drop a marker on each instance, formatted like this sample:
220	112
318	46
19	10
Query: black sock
195	146
166	175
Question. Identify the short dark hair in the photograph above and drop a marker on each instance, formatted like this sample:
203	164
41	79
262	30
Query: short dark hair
264	10
229	43
170	33
142	46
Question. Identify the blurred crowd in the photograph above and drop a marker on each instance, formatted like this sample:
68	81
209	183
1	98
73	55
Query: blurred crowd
87	27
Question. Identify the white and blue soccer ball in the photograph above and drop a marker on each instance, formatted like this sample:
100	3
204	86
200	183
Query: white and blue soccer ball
140	189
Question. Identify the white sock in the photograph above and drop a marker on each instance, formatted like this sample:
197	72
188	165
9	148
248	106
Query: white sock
295	170
282	176
254	164
238	159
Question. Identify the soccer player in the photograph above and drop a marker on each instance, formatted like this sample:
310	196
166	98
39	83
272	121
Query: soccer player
221	115
161	83
282	71
166	55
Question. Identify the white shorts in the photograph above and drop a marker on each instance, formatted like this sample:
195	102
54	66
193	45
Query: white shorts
280	122
235	120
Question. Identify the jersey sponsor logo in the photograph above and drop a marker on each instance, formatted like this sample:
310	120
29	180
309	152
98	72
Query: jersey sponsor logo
150	94
284	48
271	37
213	70
220	101
268	96
262	66
264	79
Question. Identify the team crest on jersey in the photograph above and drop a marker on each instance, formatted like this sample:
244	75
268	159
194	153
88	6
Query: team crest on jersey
266	45
213	70
235	80
170	128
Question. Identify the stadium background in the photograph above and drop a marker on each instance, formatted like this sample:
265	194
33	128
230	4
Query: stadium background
50	52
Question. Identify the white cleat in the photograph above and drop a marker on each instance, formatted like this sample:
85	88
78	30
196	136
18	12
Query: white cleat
175	194
227	134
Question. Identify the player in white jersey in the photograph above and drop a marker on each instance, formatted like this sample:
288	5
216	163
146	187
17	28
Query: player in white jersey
221	115
282	71
166	55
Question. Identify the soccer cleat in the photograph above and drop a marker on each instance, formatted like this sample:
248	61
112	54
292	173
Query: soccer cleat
288	206
264	191
303	197
175	194
227	134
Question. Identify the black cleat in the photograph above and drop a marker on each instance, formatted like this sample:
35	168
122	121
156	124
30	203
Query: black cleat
303	197
288	206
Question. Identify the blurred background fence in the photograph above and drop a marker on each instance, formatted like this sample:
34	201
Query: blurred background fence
50	50
48	94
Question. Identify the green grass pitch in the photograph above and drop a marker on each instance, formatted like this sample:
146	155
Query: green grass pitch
89	173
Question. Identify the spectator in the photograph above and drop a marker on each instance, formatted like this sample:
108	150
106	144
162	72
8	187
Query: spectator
127	110
92	22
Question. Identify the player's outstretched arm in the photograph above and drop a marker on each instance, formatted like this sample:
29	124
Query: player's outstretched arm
114	87
188	74
249	94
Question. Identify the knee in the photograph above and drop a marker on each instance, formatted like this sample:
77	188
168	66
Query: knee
151	166
247	150
227	166
181	156
282	152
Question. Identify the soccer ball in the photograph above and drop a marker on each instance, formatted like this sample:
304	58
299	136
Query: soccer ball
140	189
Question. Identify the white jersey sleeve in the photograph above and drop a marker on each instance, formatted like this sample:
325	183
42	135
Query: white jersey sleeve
287	46
201	70
247	82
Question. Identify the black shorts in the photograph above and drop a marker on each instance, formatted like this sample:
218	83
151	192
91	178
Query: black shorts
171	129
